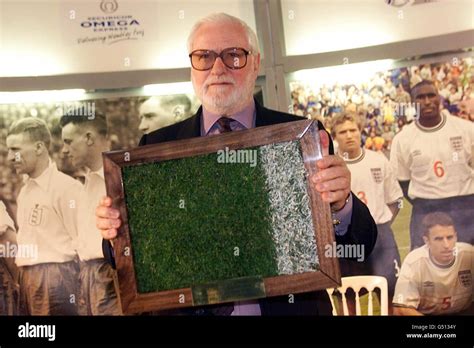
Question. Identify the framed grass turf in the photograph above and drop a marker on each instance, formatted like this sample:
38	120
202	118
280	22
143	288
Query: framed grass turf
221	218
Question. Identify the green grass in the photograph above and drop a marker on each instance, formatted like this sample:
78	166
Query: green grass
401	229
212	237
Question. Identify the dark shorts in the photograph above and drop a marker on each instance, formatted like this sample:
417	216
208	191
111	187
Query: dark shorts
98	284
49	289
9	292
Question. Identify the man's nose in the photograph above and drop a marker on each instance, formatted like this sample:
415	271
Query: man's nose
142	127
219	67
10	156
446	243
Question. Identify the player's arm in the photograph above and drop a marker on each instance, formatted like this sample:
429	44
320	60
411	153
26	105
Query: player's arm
471	141
8	239
405	311
406	299
67	208
393	194
399	166
394	208
404	185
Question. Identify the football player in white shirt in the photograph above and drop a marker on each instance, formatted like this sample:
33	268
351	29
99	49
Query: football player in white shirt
85	138
437	277
8	269
433	159
46	218
376	185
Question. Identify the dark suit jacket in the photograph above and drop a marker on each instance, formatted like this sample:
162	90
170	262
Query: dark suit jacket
362	229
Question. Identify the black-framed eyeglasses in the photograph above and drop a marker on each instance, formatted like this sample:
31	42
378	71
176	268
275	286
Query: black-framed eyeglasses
232	57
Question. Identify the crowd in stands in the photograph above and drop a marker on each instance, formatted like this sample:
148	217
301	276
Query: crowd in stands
383	103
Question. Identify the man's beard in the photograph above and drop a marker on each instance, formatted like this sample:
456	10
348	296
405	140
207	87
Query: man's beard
223	103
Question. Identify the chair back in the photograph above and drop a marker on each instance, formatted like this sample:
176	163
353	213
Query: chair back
356	283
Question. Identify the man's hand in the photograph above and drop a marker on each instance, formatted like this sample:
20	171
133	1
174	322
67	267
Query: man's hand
107	218
333	180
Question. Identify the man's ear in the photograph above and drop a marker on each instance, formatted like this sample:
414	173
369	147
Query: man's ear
178	111
40	147
256	65
90	138
425	239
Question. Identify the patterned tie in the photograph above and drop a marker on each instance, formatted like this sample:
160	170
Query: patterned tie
224	125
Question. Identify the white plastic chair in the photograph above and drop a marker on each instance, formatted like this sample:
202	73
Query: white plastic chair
357	283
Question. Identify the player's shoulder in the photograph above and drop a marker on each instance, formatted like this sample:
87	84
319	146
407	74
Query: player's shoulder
406	133
378	156
465	248
459	122
417	255
63	181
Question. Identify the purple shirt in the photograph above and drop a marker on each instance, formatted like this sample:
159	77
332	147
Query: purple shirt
242	120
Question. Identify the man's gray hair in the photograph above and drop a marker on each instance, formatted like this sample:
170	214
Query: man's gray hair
35	128
225	18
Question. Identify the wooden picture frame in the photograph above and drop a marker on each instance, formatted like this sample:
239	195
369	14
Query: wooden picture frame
305	132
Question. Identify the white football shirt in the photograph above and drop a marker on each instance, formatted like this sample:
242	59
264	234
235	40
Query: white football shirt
89	239
438	161
374	183
47	217
434	289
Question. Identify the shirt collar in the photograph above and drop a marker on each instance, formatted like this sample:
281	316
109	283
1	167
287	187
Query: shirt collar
435	128
44	178
359	158
245	117
99	172
448	265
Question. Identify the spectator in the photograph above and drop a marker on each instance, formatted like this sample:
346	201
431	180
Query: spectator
375	142
402	96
